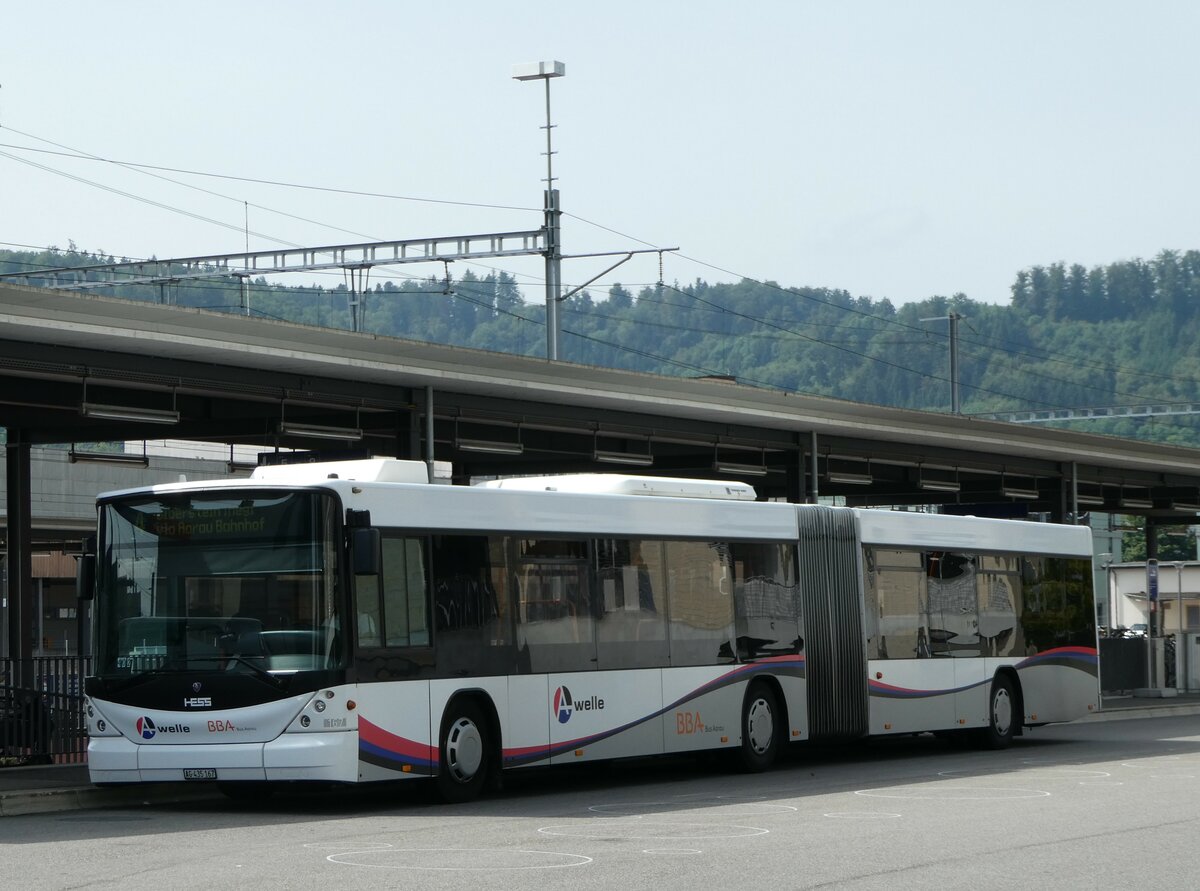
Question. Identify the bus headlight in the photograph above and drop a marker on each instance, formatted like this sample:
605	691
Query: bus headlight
98	724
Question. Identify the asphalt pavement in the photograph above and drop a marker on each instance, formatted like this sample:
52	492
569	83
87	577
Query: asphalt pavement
65	787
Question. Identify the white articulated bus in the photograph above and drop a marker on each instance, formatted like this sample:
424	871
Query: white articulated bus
348	622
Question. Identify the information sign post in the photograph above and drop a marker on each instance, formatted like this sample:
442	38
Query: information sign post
1152	608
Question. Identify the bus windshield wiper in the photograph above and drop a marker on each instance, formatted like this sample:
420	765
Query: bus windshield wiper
176	664
257	669
121	683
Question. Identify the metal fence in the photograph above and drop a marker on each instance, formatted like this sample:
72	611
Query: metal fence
1122	664
41	710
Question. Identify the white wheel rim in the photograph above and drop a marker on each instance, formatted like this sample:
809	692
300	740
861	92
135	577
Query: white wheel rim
760	726
1001	711
464	750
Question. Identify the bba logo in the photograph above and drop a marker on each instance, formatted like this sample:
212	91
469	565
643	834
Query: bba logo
564	706
146	729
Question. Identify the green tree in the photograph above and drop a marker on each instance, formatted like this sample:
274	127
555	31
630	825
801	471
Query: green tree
1174	542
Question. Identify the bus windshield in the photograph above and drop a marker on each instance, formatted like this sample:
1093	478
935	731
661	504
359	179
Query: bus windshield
243	581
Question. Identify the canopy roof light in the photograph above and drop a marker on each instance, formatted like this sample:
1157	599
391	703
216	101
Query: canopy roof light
489	447
1016	492
128	458
940	486
851	479
320	431
128	413
739	469
638	459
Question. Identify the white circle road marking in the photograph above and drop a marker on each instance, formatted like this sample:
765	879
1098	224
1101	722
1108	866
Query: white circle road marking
953	793
694	808
458	859
620	829
1037	773
685	851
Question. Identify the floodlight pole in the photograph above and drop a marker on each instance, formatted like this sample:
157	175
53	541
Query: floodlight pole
553	211
953	318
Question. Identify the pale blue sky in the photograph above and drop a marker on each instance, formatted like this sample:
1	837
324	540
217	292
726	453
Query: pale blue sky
895	150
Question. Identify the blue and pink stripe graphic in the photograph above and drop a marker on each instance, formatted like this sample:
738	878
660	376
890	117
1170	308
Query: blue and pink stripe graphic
385	749
1079	658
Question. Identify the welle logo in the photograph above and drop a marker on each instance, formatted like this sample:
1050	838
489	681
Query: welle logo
147	729
562	706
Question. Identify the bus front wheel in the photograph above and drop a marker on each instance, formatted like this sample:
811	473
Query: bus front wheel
760	728
464	752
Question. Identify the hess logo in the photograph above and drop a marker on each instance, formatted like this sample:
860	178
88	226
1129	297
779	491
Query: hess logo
563	706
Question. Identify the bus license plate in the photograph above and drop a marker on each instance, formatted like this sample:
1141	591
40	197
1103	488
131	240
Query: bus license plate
200	773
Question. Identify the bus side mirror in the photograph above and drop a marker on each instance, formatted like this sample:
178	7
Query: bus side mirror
364	550
85	577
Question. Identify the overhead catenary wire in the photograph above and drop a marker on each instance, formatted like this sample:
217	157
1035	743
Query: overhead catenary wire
72	153
146	168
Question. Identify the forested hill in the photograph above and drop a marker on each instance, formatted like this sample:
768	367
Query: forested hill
1120	334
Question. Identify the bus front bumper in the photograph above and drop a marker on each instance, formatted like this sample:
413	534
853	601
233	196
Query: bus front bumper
325	757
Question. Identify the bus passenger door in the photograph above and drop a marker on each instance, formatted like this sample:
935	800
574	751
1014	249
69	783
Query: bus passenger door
912	679
952	616
999	597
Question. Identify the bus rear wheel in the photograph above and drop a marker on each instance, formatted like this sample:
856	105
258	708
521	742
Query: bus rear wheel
761	723
464	752
1003	715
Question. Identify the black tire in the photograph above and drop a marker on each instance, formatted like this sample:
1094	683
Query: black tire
464	749
1004	714
762	727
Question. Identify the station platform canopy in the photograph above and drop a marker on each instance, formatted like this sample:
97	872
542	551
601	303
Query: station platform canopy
78	368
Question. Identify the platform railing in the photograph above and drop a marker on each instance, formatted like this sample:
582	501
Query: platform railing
42	717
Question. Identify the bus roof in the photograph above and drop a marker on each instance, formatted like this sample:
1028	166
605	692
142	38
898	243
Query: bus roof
617	505
953	533
624	484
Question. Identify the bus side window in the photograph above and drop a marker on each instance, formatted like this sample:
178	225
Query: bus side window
951	610
1000	601
700	612
1057	606
631	630
556	618
405	613
766	599
366	596
897	587
471	616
